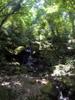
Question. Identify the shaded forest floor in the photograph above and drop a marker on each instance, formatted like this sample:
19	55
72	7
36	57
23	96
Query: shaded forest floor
23	85
16	83
27	87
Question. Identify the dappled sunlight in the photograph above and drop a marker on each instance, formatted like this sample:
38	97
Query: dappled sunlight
62	70
13	63
5	83
52	9
19	49
37	49
17	83
11	84
42	81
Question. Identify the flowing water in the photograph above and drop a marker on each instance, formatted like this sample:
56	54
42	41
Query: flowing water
60	89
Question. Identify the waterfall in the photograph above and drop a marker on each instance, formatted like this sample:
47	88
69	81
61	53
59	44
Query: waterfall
61	97
60	89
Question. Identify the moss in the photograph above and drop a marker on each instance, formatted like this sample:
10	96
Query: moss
46	88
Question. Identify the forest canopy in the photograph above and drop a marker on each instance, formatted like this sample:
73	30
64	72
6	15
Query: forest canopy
47	23
37	19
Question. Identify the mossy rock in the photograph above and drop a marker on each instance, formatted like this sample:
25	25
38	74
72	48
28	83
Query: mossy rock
49	91
47	88
19	49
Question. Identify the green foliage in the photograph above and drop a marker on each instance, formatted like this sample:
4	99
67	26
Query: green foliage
50	26
7	94
49	22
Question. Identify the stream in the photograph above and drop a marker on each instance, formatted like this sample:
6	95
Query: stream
64	92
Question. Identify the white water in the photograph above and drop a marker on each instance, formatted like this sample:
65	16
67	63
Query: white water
61	97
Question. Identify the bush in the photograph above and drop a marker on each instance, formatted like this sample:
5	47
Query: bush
7	94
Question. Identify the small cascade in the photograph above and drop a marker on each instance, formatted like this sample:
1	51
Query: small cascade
61	97
61	91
